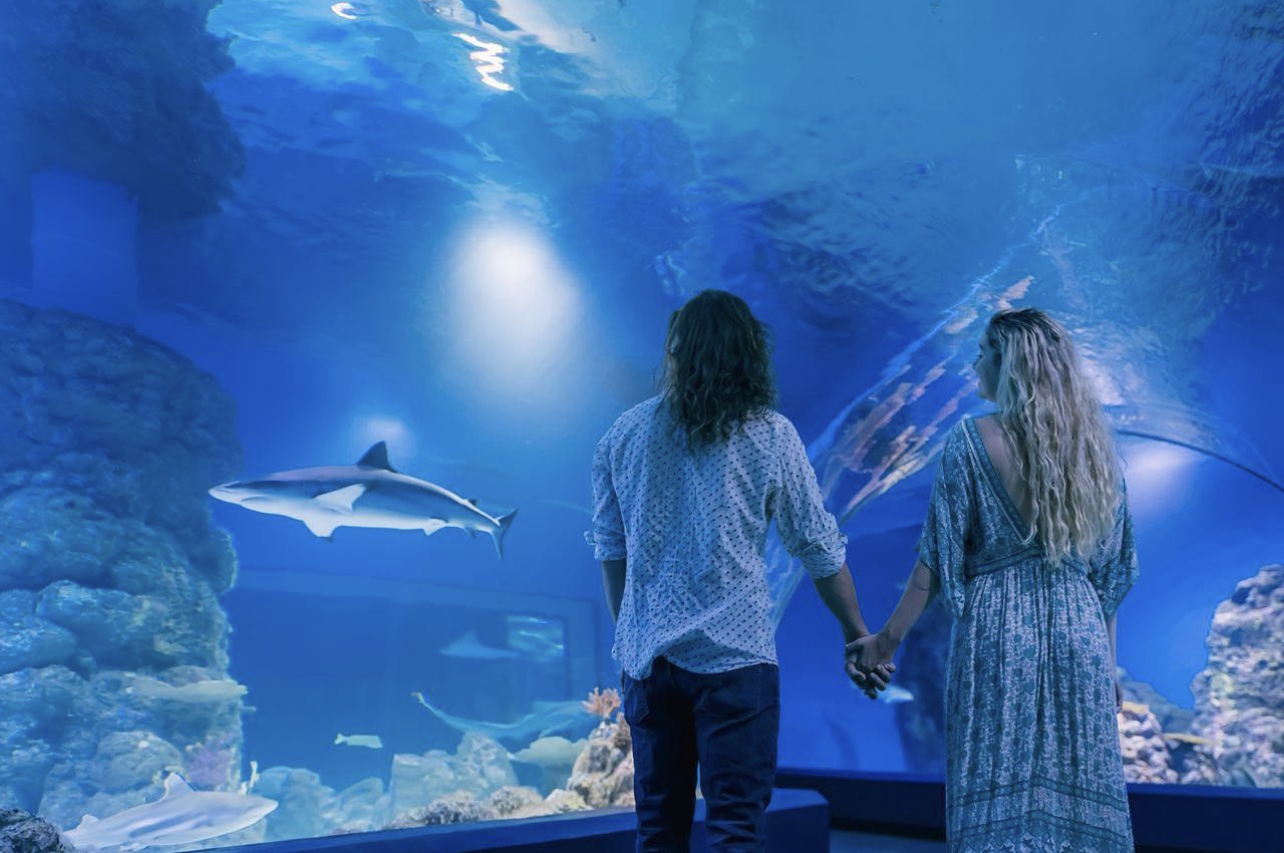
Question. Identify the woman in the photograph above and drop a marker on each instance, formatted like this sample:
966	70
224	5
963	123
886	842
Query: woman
1029	541
685	486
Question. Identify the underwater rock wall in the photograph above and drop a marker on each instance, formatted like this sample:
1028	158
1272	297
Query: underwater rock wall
1239	697
113	645
115	90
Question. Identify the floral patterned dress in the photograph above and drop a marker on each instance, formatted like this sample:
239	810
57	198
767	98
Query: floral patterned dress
1032	745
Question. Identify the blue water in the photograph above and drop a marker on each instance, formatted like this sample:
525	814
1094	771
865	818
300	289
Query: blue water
394	247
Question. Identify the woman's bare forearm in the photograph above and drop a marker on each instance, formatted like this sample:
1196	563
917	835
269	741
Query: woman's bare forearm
920	589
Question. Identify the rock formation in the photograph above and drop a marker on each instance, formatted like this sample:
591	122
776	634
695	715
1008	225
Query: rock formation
1239	696
113	646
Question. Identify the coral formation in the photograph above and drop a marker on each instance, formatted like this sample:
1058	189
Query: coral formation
25	833
116	90
456	807
480	766
1141	740
603	773
510	800
109	570
1239	696
602	703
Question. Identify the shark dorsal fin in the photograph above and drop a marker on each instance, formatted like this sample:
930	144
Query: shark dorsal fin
376	457
87	820
175	786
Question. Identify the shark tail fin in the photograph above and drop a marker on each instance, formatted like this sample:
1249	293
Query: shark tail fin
498	533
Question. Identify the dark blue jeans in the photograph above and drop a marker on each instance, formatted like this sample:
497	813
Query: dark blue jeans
726	724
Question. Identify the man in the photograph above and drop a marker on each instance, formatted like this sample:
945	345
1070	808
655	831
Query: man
685	486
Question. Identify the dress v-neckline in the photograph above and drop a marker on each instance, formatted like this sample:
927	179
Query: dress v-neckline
1015	517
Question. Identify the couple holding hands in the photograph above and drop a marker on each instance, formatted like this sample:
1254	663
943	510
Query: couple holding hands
1027	542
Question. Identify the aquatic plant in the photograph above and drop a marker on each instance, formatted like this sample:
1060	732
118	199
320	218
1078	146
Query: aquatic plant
209	764
603	703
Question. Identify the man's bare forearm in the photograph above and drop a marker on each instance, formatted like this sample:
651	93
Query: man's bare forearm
839	594
613	574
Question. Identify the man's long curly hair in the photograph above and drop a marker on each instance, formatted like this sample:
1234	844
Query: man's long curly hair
717	367
1054	425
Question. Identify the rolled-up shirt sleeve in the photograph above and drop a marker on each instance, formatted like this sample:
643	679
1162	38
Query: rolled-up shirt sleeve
807	530
608	523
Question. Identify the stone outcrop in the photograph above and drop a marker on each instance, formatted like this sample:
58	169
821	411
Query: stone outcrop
109	569
603	773
1239	696
132	109
1146	757
479	767
25	833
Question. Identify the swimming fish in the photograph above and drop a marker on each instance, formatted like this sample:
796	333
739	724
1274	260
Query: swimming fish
180	816
369	494
368	741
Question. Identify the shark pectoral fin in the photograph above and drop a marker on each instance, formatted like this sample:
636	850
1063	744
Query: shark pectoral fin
341	499
431	527
321	528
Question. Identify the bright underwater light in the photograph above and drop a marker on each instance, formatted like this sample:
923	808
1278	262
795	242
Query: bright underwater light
1157	473
514	307
370	428
488	57
344	10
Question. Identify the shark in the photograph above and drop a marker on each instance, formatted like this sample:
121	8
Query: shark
209	690
468	646
546	719
180	816
369	494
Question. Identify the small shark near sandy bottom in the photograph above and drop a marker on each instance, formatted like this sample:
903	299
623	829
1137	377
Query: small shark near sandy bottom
180	816
546	719
369	494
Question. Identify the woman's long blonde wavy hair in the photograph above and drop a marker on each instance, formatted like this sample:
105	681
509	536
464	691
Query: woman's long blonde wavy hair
1057	434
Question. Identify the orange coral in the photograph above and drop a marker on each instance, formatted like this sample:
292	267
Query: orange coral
603	703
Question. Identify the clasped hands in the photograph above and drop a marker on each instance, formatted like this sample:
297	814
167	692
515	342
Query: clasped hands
869	662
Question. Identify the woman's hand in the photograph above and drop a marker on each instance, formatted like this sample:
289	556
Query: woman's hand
869	662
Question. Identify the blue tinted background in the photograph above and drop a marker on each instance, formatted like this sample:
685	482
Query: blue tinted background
482	278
